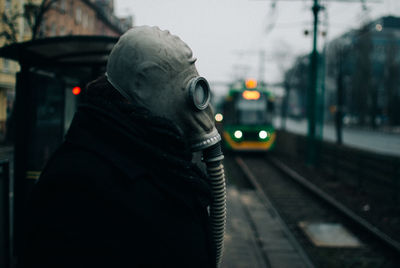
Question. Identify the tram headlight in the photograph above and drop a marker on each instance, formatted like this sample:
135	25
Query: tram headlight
238	134
219	117
263	134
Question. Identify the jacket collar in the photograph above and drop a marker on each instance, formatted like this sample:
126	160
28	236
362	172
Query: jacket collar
137	145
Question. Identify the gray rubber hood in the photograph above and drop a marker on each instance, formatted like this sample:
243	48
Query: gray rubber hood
155	69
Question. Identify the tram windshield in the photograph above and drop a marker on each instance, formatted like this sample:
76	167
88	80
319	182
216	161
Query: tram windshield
252	112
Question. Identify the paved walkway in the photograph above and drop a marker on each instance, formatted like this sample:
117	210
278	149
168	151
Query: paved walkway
255	237
381	141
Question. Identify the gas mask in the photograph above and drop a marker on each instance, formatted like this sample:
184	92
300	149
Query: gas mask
156	70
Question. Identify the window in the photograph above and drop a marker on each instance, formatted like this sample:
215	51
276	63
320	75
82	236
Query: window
42	29
8	5
27	28
91	23
6	64
85	20
71	8
62	31
63	5
53	31
252	112
78	15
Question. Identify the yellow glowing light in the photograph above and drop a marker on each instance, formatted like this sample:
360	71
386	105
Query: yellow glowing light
251	83
219	117
378	27
251	95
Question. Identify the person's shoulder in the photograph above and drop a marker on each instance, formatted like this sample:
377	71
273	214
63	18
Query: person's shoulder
75	164
73	158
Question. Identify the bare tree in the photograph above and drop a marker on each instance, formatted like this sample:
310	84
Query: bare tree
392	81
362	76
335	66
296	81
9	21
32	13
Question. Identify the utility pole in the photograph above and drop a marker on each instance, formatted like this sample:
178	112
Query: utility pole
312	91
312	94
339	109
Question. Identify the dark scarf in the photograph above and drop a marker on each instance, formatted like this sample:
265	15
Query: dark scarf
134	140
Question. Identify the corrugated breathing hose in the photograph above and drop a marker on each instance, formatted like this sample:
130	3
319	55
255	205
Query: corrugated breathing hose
213	156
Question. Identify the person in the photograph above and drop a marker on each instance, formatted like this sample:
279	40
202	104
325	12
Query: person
123	190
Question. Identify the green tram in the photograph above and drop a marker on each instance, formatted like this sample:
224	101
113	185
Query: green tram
247	117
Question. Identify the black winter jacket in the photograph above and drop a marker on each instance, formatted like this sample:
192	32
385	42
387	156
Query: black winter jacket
119	192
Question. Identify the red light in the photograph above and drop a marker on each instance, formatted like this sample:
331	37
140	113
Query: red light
76	90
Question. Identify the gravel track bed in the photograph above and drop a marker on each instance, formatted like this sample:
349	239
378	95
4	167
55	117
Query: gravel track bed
296	204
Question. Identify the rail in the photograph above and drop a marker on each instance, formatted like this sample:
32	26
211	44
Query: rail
337	205
260	192
373	173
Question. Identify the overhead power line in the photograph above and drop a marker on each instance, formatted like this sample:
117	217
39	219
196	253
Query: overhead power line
312	94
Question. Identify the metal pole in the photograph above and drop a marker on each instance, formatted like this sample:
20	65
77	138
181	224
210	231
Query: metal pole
311	153
320	99
5	214
339	111
284	106
23	106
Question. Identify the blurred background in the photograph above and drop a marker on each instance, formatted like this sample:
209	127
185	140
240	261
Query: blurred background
356	71
314	85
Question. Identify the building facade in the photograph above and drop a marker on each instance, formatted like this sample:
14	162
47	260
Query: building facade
11	30
60	18
82	17
363	70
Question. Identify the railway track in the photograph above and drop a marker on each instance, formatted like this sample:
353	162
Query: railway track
297	205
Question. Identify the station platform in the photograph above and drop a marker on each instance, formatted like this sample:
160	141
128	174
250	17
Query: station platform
256	236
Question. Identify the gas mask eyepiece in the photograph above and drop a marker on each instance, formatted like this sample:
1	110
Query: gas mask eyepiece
199	93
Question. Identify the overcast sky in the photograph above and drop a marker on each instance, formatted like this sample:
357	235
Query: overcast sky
227	35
